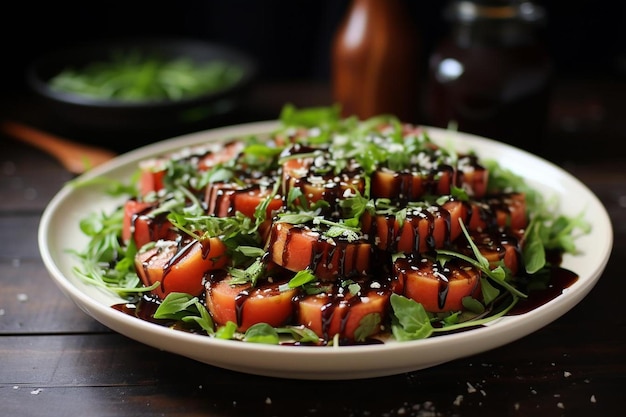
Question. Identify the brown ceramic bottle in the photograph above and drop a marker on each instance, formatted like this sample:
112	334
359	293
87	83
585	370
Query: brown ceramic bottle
375	60
491	75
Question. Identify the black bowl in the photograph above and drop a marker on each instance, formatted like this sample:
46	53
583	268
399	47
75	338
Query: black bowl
116	115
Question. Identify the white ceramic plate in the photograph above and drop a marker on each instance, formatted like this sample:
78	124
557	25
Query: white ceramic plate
59	231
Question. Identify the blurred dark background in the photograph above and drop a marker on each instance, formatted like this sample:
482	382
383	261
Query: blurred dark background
291	39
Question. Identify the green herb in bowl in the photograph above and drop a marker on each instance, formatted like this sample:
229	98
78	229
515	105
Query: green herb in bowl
132	76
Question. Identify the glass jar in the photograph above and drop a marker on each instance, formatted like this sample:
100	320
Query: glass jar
491	75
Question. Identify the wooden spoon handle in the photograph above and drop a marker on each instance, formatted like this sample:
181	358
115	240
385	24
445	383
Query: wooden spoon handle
75	157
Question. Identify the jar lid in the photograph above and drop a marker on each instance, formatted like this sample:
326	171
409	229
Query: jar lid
469	11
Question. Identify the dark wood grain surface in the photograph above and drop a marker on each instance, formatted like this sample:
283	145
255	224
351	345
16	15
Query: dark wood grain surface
57	361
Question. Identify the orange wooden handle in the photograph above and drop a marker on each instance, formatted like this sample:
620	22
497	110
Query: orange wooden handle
75	157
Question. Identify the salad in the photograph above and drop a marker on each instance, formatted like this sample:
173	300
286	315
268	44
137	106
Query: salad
325	231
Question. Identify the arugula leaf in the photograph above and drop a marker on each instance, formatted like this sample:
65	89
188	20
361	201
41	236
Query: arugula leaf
301	278
261	333
300	334
410	320
489	292
112	187
226	331
251	274
368	326
310	117
534	252
185	307
260	213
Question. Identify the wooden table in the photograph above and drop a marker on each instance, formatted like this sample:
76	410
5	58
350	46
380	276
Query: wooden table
57	361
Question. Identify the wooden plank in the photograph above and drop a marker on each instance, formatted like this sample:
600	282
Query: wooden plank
107	375
30	302
18	235
28	177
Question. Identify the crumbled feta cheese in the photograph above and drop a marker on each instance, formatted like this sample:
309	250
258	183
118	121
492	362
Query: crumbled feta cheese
314	131
340	140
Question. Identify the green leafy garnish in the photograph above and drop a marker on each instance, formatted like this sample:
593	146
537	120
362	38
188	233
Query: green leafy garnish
105	249
410	321
134	76
261	333
186	308
498	275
